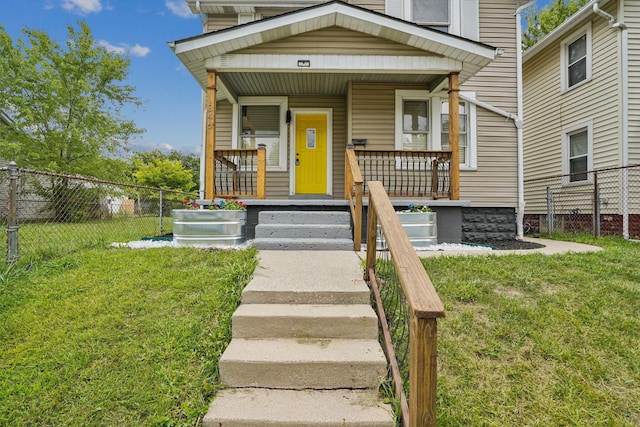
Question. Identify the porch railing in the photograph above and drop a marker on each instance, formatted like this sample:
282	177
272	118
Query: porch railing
408	308
240	172
407	173
353	193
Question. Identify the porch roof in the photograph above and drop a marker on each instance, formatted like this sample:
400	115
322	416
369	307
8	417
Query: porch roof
437	54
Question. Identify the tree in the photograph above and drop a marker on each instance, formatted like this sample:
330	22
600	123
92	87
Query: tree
164	173
191	162
540	23
65	103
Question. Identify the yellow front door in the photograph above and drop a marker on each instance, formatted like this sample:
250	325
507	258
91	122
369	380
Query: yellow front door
311	153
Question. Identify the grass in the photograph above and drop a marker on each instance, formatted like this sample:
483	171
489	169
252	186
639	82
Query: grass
116	337
540	340
38	241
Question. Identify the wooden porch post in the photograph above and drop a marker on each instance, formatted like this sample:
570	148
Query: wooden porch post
454	134
210	137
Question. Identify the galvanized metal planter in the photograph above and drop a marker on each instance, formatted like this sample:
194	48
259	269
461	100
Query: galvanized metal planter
202	227
421	227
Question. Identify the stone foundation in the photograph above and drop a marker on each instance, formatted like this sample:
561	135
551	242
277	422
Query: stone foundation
483	224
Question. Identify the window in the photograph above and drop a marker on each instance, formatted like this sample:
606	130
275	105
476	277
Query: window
459	17
415	124
263	121
577	154
422	123
464	129
433	13
576	59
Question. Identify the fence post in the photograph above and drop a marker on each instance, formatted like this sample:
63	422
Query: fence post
12	220
161	233
550	214
596	206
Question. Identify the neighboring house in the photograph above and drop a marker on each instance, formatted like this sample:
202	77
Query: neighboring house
308	78
581	114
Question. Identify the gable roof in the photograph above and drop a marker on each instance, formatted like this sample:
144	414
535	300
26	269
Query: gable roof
466	55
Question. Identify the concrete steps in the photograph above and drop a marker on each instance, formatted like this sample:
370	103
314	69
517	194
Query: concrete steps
305	348
303	230
297	408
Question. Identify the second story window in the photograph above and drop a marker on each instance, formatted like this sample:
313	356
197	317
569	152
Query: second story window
432	13
575	59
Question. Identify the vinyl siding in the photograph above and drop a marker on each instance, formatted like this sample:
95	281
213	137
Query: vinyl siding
332	41
632	19
495	183
220	22
375	5
548	111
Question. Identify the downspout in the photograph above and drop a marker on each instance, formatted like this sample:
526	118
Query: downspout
624	99
520	143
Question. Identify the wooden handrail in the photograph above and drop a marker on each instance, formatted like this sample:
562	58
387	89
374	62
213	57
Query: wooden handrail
353	193
423	303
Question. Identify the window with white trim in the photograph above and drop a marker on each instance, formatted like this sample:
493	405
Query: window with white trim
262	120
464	129
422	123
459	17
577	153
576	58
432	13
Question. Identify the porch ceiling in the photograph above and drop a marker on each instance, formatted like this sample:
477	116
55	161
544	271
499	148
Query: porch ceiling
329	84
437	54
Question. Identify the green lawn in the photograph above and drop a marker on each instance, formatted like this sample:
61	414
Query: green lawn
116	337
540	340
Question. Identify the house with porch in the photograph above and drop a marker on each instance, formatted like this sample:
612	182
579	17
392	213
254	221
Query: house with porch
582	109
420	95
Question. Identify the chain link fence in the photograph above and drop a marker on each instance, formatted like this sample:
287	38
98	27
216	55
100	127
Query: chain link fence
603	202
48	215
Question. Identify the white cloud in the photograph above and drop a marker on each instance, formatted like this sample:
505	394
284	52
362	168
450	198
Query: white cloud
137	50
82	7
179	8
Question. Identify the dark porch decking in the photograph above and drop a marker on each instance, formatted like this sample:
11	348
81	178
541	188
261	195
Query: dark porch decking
449	212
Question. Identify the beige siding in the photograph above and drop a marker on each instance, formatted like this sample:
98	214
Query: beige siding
494	183
332	41
632	19
548	111
224	118
220	22
375	5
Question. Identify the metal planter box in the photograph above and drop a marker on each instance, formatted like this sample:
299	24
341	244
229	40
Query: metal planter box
421	228
200	227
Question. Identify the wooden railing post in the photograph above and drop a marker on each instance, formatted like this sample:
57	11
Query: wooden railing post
210	137
423	354
353	178
372	237
262	172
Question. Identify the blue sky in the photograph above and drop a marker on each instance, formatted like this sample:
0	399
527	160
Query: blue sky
171	114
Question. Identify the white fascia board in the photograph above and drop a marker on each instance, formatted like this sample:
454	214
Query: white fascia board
565	28
335	63
333	14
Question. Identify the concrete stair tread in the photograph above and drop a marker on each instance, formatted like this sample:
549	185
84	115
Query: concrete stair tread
298	408
303	363
357	321
296	350
303	217
318	244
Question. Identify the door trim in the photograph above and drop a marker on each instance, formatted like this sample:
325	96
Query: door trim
292	147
